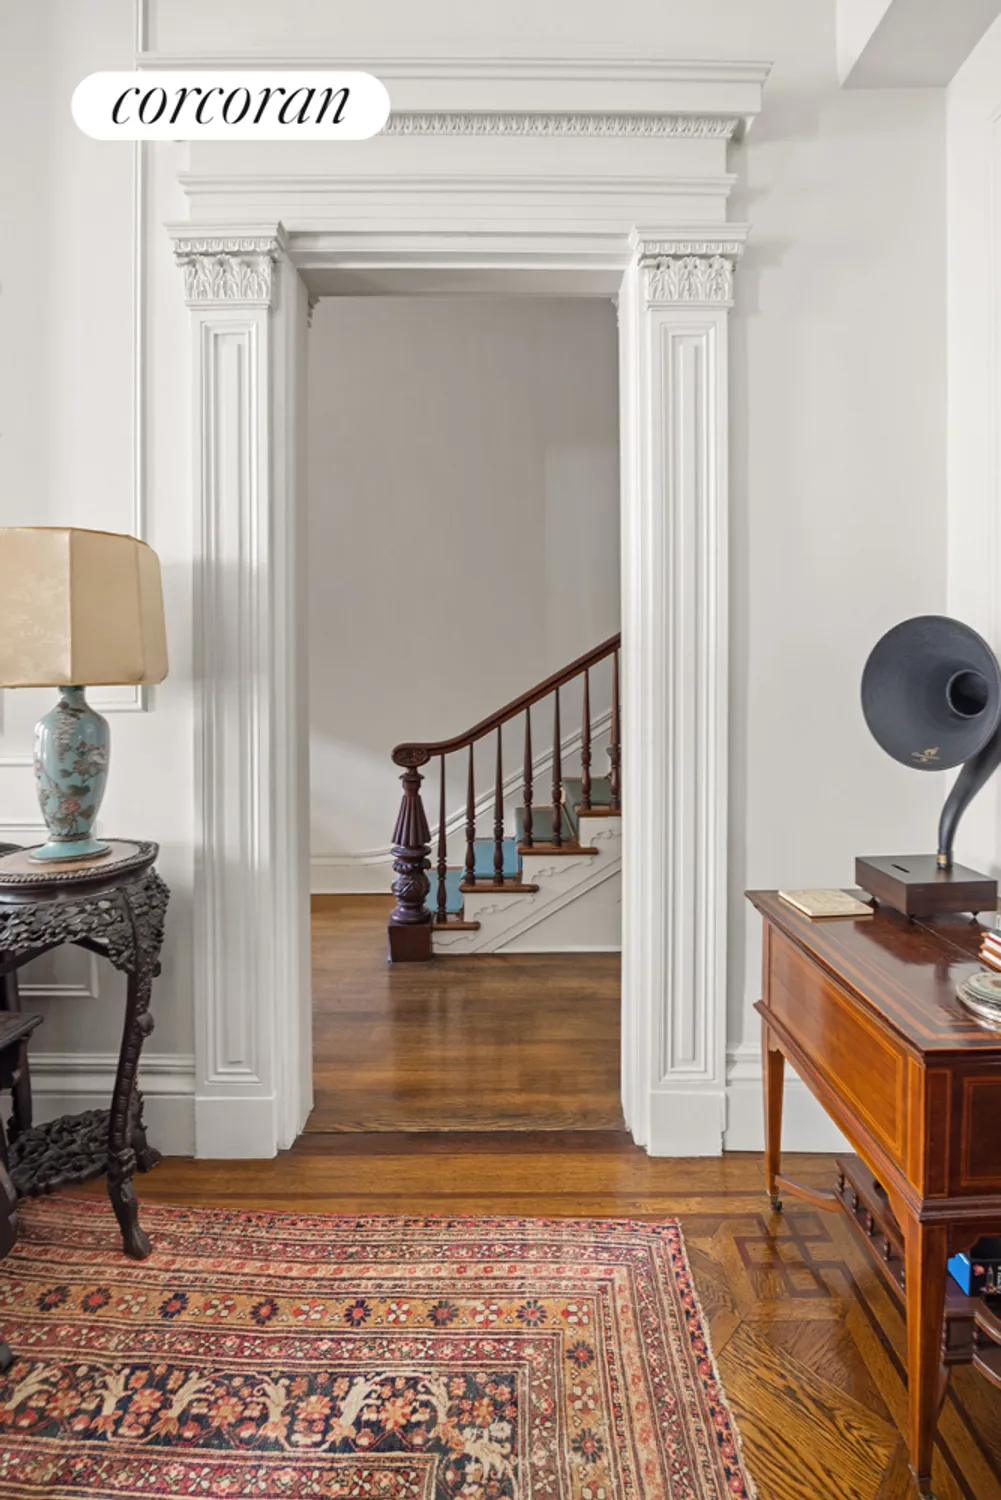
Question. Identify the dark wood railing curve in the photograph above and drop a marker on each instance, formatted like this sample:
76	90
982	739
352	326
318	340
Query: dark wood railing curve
419	753
412	919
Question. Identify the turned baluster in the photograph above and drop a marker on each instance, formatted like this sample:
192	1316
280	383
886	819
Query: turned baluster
442	852
526	835
613	746
585	747
411	847
470	872
557	773
499	816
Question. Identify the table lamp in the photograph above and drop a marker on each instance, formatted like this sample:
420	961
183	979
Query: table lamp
78	609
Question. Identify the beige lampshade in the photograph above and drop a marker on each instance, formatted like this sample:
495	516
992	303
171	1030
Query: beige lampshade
79	608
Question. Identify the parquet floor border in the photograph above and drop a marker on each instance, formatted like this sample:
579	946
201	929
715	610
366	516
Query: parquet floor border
810	1343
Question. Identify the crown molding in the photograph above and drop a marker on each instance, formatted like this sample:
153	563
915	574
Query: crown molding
651	243
271	184
584	69
534	96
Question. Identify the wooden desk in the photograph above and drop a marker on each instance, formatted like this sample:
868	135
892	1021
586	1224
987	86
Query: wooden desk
865	1009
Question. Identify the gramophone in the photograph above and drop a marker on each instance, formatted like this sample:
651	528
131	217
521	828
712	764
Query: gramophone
931	695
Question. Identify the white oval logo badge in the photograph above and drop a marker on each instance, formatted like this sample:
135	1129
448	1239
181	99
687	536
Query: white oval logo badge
230	106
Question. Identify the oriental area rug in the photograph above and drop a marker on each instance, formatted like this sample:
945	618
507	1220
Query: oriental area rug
279	1357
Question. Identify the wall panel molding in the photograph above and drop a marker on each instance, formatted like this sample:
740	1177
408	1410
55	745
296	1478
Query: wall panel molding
135	697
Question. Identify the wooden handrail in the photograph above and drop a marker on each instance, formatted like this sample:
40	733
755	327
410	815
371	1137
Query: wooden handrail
418	754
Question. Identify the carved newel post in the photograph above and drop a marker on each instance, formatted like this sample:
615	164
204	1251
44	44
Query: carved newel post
410	922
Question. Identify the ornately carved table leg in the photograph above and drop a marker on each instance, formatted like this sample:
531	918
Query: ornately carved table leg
127	1146
8	1235
147	1156
122	1160
21	1113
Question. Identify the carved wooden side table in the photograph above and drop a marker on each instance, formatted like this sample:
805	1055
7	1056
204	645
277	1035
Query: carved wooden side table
14	1034
114	907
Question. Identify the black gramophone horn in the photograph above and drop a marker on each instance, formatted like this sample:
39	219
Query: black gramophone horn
931	695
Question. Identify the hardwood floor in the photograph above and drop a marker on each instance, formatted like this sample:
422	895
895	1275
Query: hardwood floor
499	1042
811	1347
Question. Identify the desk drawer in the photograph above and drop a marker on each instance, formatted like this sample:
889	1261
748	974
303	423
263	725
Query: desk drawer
861	1061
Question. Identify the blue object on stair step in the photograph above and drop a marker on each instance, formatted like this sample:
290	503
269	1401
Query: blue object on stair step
453	896
483	854
542	825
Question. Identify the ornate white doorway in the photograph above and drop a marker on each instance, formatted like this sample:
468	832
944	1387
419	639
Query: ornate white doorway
590	178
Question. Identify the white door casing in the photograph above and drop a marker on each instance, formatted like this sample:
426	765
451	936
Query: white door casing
505	177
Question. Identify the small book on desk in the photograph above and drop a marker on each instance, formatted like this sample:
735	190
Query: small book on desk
826	903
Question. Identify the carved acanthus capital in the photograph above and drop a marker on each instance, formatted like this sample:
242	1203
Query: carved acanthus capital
228	269
690	278
688	270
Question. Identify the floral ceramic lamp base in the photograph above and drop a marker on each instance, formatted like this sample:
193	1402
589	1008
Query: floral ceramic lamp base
71	770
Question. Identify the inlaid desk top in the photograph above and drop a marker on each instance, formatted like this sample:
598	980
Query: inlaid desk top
906	972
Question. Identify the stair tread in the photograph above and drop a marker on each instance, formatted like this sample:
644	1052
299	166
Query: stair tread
512	886
570	847
597	810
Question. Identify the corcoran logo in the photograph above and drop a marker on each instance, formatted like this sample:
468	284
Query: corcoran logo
230	106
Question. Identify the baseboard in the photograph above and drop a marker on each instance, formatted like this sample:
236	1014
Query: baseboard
231	1127
566	948
806	1126
351	874
65	1083
686	1122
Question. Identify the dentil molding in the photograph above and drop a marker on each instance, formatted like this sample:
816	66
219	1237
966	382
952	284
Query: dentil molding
714	127
228	268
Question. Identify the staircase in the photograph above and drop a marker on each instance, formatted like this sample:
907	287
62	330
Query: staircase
547	879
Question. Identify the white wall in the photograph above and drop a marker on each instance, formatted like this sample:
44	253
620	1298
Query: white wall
66	458
974	289
838	485
463	520
837	396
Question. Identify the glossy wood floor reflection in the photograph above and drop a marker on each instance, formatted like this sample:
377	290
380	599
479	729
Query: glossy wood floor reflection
810	1345
499	1042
